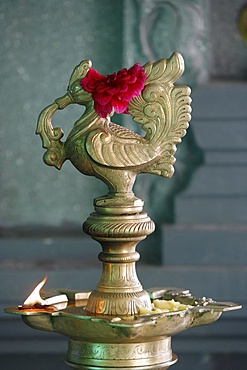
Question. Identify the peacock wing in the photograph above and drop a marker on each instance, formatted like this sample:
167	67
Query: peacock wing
116	146
163	110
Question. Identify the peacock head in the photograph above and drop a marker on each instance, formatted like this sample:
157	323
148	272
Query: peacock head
78	95
75	90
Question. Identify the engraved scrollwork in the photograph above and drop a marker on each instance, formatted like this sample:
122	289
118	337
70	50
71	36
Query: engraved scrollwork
106	229
99	227
121	277
118	303
50	136
157	352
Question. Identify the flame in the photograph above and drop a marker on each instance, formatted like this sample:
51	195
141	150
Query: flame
35	297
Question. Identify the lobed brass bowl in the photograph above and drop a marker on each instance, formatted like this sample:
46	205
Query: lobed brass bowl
140	341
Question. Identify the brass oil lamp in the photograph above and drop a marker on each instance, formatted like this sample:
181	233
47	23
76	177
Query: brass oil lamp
119	324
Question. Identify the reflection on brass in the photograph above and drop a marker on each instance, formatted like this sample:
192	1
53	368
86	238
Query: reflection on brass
105	327
37	307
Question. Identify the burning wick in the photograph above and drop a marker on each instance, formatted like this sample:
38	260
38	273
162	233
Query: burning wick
34	300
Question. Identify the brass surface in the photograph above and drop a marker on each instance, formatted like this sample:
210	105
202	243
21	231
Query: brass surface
119	291
97	147
140	342
128	354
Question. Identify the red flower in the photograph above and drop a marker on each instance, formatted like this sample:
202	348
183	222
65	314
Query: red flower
114	91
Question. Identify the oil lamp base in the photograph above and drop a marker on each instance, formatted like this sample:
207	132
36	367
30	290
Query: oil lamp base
155	354
140	342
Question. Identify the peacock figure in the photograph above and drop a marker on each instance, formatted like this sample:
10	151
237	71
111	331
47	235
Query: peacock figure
98	147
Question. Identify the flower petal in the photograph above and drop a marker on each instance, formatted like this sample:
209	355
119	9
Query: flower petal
119	105
103	110
102	98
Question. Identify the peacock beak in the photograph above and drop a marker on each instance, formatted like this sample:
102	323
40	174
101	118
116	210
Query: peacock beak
64	101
